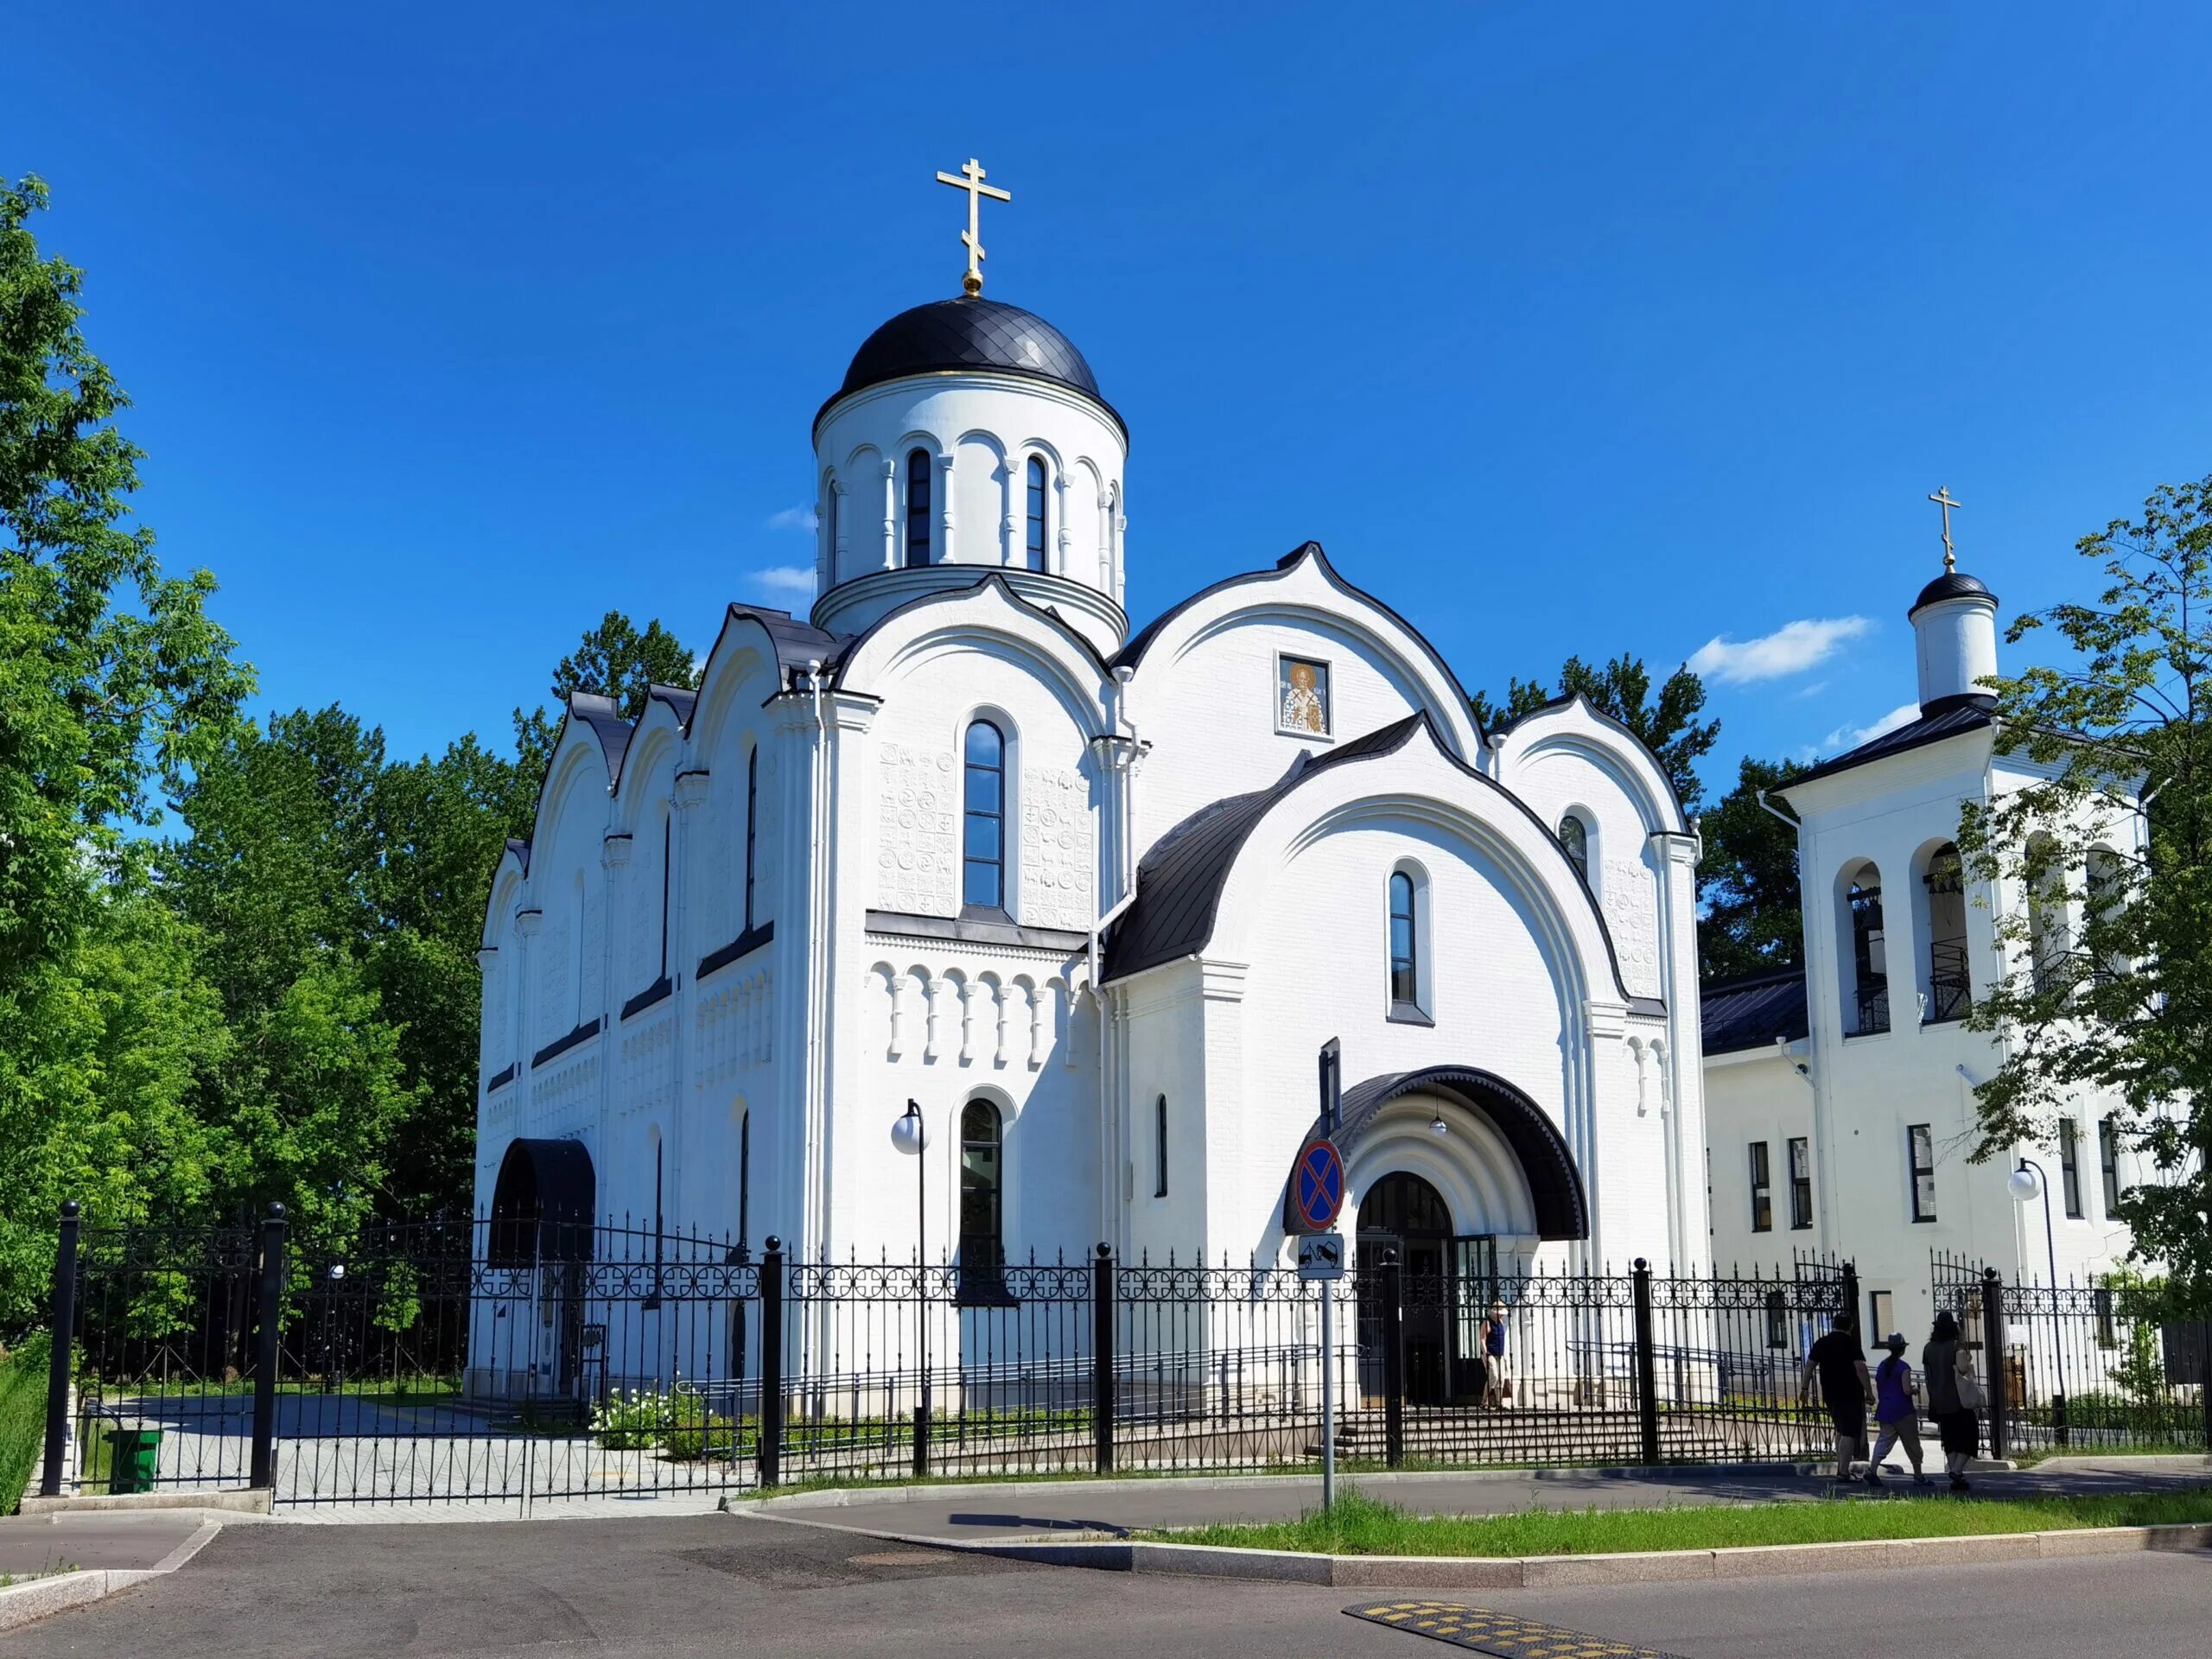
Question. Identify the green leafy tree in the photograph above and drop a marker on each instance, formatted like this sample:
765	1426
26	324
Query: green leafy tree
2103	918
1747	880
114	685
278	878
1622	689
612	660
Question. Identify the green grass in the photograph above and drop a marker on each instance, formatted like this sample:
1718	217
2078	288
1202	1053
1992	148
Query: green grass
1360	1526
22	1417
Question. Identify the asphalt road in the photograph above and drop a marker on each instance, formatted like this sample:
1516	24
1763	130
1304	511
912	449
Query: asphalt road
727	1585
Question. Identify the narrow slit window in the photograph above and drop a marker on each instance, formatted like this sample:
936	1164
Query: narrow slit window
667	852
1405	944
918	508
1036	513
1160	1147
1762	1190
752	829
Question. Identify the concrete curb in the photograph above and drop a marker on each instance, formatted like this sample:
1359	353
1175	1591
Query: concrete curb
255	1502
1553	1572
22	1603
839	1497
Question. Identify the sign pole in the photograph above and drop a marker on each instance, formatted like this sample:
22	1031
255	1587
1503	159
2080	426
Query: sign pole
1331	1083
1328	1395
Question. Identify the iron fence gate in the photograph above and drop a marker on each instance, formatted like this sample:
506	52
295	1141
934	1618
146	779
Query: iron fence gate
2082	1367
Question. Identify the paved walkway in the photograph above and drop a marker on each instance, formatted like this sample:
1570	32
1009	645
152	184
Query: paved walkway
1071	1509
33	1545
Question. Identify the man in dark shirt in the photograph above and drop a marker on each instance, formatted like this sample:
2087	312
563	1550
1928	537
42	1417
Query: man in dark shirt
1841	1364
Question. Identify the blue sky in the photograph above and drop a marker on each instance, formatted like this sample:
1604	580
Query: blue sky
1581	328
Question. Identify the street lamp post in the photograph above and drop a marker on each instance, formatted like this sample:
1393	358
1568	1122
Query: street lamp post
910	1134
2028	1183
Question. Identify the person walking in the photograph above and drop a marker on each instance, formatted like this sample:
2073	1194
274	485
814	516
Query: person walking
1498	1388
1953	1396
1841	1364
1896	1413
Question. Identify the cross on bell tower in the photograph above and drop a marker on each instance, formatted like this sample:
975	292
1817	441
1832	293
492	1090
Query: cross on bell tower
970	179
1942	499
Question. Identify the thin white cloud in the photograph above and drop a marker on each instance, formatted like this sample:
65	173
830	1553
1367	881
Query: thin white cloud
1791	649
783	579
1850	737
794	518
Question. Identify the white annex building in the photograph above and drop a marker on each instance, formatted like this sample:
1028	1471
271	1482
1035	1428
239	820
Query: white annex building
1092	898
1840	1097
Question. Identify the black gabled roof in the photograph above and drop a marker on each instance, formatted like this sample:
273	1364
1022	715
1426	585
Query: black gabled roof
1743	1013
1554	1181
680	699
1949	718
1179	880
797	643
604	717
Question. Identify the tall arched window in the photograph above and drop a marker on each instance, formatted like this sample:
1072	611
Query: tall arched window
983	1233
1950	980
1574	836
1866	977
918	508
751	827
1405	945
984	824
1036	513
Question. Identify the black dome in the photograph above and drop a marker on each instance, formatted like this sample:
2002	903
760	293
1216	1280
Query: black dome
969	333
1952	584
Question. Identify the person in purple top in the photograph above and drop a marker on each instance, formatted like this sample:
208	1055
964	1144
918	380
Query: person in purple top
1896	1413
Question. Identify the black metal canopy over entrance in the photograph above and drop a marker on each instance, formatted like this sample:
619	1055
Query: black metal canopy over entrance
1554	1183
542	1204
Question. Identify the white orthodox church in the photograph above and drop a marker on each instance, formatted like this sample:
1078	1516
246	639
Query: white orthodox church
1092	899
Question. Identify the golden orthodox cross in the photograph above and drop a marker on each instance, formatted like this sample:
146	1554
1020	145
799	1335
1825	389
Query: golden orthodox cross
970	179
1942	499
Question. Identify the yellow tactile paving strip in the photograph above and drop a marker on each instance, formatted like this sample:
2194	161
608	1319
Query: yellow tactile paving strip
1481	1631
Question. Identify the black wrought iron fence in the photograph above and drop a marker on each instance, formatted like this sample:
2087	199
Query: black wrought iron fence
2106	1364
504	1361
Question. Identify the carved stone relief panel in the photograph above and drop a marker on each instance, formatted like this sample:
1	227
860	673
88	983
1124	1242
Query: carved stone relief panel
1057	866
918	804
1630	901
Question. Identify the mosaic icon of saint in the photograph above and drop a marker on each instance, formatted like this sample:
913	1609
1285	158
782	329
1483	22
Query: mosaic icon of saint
1303	710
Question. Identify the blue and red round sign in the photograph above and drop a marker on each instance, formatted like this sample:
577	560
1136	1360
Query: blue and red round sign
1317	1186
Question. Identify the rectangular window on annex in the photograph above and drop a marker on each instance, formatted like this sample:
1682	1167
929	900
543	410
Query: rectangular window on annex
2069	1166
1920	1142
1800	1183
1762	1191
2108	1161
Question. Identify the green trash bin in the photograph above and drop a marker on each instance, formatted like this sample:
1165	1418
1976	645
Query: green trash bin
131	1454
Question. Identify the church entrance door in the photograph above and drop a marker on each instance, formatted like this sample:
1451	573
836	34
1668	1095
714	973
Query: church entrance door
1445	1287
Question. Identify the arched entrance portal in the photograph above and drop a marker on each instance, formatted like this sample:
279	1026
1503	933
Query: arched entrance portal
1446	1281
541	1232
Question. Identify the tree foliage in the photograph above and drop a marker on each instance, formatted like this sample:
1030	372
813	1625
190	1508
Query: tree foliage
1747	880
1622	689
611	660
114	686
2103	913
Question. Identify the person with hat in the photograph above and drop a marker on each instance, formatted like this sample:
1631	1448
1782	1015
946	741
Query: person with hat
1896	1413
